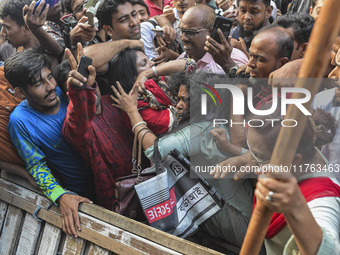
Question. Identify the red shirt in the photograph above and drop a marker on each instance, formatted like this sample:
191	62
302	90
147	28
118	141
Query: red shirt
103	140
159	121
154	10
263	97
311	189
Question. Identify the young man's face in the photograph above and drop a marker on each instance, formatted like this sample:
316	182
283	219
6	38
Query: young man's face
142	12
79	5
253	15
42	95
183	5
125	23
15	34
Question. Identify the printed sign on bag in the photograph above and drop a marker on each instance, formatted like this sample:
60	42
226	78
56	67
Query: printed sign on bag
189	199
176	168
162	210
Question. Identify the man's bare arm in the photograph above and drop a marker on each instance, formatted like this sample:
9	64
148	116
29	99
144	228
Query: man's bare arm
35	22
102	53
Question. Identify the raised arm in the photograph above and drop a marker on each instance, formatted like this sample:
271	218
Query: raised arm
221	53
128	103
82	106
169	33
35	23
175	66
102	53
288	199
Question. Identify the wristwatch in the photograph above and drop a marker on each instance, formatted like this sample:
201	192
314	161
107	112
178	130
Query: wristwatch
233	69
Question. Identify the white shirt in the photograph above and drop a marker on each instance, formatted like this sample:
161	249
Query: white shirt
324	101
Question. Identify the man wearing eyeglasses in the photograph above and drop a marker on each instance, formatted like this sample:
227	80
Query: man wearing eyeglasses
195	26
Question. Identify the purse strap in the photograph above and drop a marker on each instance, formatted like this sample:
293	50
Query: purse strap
139	161
137	154
135	163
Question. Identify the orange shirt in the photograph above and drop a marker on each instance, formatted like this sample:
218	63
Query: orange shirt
7	104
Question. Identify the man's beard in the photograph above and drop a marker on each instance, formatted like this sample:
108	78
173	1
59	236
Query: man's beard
251	33
50	108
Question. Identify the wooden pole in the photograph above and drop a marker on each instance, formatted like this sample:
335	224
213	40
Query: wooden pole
314	65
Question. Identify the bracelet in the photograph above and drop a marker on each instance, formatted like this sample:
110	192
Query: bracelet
138	124
154	71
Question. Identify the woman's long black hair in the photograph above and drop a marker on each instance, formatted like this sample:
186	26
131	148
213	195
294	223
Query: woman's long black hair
124	68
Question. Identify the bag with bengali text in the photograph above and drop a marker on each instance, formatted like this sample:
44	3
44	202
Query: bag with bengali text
177	200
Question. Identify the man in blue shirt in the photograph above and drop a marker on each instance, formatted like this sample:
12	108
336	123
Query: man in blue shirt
35	129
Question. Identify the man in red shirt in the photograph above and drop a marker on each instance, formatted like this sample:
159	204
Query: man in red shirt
156	6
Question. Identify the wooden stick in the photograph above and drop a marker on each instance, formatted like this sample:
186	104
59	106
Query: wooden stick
314	65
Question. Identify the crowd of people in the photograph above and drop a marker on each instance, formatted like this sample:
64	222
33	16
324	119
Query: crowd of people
72	136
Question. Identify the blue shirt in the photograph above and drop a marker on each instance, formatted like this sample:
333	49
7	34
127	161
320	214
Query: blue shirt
38	138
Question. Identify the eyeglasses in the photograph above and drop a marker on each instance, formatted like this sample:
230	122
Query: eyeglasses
79	8
190	33
258	159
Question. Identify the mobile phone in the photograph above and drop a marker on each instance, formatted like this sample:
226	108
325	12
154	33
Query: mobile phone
50	2
222	23
83	66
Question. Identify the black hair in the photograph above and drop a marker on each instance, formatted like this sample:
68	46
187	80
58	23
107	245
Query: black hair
266	2
284	41
63	6
175	80
320	129
142	3
314	3
125	68
61	73
107	9
22	68
68	5
13	9
301	23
